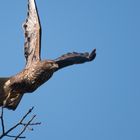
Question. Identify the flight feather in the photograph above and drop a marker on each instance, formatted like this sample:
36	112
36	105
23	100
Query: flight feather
32	33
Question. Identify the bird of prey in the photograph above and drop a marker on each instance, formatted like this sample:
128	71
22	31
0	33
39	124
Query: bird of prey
36	71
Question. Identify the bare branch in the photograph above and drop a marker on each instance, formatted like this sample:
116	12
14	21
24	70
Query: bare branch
6	133
20	122
10	136
24	129
2	121
31	124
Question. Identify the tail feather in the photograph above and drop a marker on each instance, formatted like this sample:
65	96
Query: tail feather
14	99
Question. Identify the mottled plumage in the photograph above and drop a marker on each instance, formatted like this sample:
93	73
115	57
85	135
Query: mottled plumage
36	71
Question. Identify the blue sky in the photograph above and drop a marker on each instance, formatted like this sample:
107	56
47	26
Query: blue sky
94	101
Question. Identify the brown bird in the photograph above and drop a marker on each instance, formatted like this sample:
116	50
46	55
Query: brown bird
36	71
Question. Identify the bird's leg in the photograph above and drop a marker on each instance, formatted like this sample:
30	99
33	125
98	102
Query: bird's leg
10	100
5	102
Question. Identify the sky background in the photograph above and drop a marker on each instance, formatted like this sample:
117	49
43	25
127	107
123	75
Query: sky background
94	101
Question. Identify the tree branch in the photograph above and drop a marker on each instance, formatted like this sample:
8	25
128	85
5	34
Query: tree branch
6	133
2	120
24	129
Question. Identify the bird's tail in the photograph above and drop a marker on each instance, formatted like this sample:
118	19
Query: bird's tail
15	99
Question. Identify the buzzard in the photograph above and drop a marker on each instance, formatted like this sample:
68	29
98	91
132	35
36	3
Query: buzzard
36	71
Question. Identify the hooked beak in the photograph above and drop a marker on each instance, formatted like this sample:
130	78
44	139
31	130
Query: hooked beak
54	66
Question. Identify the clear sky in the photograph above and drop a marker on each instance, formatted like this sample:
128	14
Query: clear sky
94	101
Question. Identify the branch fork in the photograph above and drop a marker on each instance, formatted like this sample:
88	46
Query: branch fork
25	125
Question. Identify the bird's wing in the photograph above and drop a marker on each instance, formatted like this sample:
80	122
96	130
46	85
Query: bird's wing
32	32
74	58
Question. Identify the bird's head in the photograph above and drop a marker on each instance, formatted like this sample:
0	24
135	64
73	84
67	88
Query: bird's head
51	65
54	66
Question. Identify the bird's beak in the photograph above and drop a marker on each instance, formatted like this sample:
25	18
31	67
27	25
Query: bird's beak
54	66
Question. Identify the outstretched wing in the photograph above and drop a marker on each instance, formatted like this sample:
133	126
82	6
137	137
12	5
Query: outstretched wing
74	58
32	32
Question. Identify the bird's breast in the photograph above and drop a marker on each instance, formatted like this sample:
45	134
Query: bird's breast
30	79
35	78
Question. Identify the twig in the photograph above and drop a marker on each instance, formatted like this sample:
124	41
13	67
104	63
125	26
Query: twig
24	129
10	136
20	123
31	124
2	121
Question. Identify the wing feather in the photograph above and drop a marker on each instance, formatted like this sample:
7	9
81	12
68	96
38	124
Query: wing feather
74	58
32	33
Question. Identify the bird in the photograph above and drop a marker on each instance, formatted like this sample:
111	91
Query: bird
36	71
